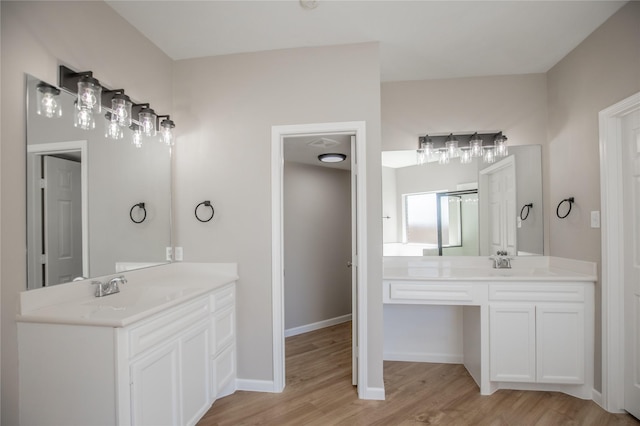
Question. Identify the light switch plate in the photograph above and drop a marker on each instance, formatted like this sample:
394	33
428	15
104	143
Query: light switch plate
168	253
595	219
178	254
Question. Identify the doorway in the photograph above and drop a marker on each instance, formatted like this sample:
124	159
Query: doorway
57	227
359	245
620	198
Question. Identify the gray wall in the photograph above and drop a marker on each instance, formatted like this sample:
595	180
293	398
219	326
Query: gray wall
35	36
317	243
228	105
601	71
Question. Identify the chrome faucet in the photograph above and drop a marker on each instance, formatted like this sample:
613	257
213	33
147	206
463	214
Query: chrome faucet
111	286
501	261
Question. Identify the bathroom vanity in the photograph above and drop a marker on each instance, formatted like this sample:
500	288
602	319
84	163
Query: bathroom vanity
159	352
530	327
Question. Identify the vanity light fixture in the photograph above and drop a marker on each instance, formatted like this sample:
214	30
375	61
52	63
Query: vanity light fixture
443	156
332	158
452	146
83	118
425	149
47	103
92	97
147	118
465	155
136	138
489	154
466	146
475	145
166	129
121	109
113	130
501	145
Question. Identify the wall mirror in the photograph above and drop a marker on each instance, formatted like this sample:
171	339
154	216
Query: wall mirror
458	209
85	193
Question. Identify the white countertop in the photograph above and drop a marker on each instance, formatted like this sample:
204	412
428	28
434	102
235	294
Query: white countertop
147	292
479	268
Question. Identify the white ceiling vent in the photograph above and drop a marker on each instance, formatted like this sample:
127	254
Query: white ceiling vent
323	143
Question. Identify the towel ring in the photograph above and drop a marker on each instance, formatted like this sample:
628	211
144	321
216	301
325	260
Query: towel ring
526	215
206	204
569	200
140	206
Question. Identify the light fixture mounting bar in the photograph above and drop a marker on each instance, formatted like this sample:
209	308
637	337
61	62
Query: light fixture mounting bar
462	138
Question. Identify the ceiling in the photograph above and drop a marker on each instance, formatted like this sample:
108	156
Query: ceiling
418	39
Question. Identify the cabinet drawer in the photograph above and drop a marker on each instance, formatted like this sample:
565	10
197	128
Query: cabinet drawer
432	292
222	298
542	293
169	324
223	328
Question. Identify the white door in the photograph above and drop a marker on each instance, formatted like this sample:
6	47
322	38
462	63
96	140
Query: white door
354	264
63	220
631	211
499	183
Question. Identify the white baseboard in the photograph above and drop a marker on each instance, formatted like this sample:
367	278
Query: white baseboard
256	385
316	325
373	394
597	398
423	357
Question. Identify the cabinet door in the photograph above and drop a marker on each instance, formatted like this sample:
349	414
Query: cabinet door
560	343
512	339
155	388
196	387
224	329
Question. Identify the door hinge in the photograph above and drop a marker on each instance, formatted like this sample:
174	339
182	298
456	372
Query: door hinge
43	184
43	259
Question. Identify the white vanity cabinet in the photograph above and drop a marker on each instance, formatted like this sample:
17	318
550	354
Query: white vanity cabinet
165	369
537	333
169	366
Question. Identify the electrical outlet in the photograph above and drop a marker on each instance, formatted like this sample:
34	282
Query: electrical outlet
595	219
169	253
178	254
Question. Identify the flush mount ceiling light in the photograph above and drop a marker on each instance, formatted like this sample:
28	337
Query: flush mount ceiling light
332	158
47	104
309	4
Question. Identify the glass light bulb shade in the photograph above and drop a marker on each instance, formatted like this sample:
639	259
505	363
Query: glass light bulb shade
443	156
166	136
147	119
84	119
136	137
475	145
421	156
489	155
114	131
452	148
89	94
121	106
465	156
501	148
47	101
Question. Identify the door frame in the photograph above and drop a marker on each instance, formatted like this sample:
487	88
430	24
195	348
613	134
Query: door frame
35	151
278	133
612	398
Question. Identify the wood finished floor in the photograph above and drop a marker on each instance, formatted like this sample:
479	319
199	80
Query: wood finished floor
319	392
